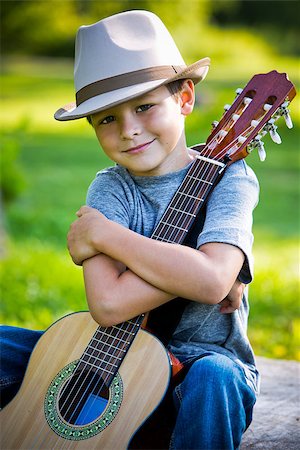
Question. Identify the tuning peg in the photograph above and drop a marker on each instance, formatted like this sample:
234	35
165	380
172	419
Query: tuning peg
284	111
261	150
235	117
241	139
215	124
267	107
238	91
254	123
223	133
272	129
247	100
258	144
288	120
227	107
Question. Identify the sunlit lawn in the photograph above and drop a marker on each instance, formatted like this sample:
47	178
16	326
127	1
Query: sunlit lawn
39	282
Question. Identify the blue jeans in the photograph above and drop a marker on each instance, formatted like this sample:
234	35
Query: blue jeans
214	403
16	345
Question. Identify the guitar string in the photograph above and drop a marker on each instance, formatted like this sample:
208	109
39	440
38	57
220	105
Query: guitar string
88	363
112	347
195	180
128	323
115	348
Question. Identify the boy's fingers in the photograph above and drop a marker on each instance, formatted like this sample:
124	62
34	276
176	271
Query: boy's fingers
84	210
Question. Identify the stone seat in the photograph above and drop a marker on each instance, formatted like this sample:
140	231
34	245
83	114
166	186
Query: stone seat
276	418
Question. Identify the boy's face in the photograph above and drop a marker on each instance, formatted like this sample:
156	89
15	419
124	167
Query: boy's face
146	134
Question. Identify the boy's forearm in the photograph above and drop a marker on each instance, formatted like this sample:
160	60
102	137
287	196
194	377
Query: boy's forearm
115	294
173	268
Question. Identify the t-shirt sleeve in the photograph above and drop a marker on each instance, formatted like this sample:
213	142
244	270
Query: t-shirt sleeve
108	194
229	213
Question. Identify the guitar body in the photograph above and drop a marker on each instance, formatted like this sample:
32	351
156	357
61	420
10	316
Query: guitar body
135	392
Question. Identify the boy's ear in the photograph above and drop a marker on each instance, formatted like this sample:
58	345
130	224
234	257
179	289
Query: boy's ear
187	97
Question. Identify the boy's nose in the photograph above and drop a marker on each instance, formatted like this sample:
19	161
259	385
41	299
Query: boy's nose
129	128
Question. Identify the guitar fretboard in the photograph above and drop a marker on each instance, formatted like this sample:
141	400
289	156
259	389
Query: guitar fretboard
187	201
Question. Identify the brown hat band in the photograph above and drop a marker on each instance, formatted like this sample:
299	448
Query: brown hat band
125	80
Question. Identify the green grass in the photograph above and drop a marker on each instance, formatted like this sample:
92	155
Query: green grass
39	281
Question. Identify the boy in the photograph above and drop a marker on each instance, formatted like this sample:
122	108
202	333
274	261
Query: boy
135	89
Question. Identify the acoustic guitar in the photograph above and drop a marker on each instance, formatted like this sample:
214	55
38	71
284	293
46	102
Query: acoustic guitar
91	387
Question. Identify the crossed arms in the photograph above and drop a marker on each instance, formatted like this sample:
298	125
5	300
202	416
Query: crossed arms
127	274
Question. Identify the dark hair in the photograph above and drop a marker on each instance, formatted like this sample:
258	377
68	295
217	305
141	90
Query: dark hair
174	87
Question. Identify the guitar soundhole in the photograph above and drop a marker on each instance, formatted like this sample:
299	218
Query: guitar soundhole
83	398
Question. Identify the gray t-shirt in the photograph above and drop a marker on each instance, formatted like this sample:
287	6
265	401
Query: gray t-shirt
138	204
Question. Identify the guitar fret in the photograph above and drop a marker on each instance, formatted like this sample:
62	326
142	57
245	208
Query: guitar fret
199	179
102	368
134	323
123	331
103	352
96	358
191	196
154	236
182	211
112	337
174	226
210	161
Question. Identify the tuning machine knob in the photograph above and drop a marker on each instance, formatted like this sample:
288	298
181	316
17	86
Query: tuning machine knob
272	129
258	144
285	112
238	91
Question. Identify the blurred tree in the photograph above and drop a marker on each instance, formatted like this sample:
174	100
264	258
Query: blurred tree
47	28
277	20
38	27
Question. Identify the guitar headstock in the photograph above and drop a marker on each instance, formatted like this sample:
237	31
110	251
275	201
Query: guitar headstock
252	115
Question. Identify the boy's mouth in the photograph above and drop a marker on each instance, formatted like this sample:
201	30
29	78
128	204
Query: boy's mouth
139	148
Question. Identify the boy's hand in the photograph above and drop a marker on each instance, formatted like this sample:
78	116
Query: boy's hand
234	298
83	234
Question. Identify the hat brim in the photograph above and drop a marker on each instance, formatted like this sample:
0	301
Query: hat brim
196	72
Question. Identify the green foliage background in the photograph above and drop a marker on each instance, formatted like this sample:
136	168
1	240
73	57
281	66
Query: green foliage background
47	166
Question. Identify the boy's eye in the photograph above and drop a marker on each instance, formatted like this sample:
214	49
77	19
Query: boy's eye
107	119
143	108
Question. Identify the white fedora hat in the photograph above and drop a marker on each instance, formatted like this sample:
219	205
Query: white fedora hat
122	57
